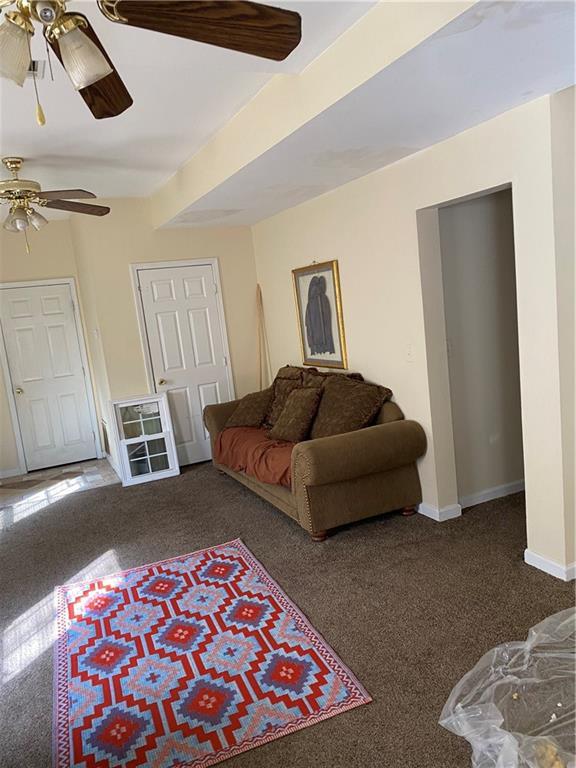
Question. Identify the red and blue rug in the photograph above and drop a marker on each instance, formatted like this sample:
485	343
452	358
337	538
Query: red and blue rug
187	662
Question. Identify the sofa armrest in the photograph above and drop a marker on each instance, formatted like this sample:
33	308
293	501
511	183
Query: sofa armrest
216	416
355	454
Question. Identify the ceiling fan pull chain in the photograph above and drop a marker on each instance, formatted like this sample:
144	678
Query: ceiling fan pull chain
40	117
27	243
49	59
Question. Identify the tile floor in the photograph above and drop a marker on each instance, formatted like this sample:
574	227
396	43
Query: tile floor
25	494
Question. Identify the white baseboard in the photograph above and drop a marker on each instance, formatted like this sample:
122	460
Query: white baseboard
6	473
564	572
492	493
440	515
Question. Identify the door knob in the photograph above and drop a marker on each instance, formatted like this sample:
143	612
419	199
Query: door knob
161	382
19	391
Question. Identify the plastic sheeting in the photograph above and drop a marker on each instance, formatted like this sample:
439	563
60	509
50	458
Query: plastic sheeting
517	706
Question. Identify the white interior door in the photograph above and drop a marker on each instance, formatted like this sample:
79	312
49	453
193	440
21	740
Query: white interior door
187	349
46	374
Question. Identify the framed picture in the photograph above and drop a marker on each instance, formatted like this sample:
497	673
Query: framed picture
319	307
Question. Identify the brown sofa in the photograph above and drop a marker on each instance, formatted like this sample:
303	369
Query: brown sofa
342	478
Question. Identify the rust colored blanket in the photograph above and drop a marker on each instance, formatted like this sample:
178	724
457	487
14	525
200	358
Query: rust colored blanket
250	450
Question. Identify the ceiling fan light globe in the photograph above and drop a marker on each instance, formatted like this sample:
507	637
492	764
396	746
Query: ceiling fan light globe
82	59
17	220
14	51
36	219
9	224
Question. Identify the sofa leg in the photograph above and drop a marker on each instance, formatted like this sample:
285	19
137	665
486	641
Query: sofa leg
319	535
408	511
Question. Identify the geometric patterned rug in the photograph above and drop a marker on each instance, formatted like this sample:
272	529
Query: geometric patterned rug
187	662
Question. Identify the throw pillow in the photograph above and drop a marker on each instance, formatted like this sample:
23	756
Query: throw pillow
287	379
291	377
294	423
312	377
282	388
251	410
290	372
347	405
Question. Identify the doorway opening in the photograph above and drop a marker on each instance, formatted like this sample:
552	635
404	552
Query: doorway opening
467	271
480	314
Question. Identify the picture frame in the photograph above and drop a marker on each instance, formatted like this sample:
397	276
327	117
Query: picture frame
320	317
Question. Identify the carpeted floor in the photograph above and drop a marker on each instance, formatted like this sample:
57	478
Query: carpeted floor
409	605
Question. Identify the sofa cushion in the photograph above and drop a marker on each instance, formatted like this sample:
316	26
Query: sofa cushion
297	416
347	405
251	410
250	450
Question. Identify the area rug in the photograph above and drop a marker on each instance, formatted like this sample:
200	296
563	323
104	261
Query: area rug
187	662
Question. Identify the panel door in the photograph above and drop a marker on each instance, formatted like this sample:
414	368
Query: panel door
47	375
186	341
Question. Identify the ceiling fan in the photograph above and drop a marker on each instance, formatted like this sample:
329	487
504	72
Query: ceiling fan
238	25
21	194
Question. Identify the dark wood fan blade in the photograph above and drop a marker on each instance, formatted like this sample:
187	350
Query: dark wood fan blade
107	97
68	205
261	30
65	194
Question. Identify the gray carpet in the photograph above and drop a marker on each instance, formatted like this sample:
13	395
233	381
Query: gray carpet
409	605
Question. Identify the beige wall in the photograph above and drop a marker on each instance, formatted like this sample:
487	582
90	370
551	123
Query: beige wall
51	256
98	252
563	166
106	247
370	226
477	244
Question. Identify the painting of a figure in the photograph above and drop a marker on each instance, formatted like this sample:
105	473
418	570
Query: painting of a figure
319	317
317	290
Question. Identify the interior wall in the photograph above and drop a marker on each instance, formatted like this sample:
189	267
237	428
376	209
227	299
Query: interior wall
479	280
564	170
370	226
51	256
105	248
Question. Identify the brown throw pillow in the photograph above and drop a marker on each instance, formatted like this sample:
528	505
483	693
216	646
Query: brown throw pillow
297	416
287	379
282	388
347	405
290	372
251	410
312	377
291	377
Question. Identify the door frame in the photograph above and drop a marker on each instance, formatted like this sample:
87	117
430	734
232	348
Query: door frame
135	269
22	468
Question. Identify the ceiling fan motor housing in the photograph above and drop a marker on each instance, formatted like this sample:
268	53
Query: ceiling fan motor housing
18	185
15	187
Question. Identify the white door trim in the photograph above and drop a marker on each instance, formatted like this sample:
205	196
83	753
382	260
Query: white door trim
71	283
141	267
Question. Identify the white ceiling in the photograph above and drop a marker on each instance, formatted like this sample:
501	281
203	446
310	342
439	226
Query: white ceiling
183	93
493	58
